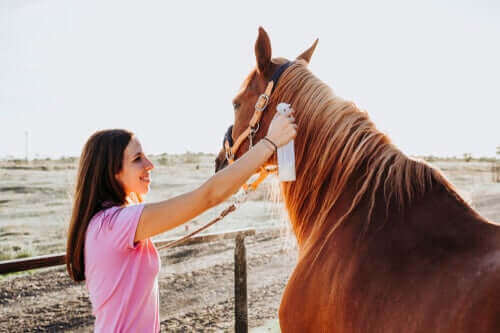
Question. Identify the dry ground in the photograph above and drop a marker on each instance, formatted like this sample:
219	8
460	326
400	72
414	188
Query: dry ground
196	283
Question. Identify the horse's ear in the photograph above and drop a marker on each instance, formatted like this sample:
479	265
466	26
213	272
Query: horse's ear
309	52
263	52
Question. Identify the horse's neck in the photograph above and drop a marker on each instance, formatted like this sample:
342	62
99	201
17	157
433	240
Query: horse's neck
313	234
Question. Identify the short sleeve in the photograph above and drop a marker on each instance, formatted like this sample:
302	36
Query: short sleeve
122	225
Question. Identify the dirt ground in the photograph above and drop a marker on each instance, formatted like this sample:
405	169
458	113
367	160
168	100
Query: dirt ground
196	282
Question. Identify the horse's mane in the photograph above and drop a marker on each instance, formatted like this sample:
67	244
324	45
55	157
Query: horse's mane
335	142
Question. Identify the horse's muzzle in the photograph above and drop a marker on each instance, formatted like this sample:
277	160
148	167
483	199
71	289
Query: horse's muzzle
220	161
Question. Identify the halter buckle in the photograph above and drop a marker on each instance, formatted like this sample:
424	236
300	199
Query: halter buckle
265	99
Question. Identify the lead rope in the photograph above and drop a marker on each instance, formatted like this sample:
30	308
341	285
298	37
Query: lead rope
238	199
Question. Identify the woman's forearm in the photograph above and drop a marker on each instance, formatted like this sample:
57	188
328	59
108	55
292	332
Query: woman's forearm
227	181
165	215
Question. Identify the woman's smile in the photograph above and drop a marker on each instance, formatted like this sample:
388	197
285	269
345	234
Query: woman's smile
146	179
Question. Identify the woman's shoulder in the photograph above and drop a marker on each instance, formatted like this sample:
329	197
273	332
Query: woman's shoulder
113	214
105	213
115	225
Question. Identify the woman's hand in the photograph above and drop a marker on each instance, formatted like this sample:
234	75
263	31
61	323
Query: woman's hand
282	129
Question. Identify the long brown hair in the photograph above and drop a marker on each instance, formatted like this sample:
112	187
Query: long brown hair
96	188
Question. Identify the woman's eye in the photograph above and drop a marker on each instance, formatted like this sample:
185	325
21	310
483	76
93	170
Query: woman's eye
137	159
236	105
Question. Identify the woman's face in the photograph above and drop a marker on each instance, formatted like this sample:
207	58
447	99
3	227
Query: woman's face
135	174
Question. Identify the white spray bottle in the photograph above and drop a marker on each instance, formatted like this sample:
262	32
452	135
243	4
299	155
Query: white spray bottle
286	153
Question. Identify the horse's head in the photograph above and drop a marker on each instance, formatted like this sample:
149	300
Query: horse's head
245	101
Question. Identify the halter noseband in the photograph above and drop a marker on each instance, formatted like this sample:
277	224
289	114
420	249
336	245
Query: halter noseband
230	147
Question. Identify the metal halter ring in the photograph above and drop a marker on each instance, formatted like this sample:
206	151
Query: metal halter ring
254	130
229	155
265	103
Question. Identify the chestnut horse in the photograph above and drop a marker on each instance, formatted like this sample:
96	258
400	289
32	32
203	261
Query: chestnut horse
386	244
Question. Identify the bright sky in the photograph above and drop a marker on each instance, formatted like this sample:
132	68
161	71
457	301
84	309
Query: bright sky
428	72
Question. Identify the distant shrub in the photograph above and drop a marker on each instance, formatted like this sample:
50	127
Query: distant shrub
486	159
191	158
164	160
5	255
15	252
67	159
24	253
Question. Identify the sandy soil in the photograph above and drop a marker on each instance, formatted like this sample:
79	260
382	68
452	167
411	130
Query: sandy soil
196	282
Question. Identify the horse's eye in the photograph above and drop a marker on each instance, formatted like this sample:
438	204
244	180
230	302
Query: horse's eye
236	105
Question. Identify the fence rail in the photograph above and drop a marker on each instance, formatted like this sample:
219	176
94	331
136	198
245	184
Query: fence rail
18	265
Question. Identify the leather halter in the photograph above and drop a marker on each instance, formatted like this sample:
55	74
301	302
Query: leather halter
231	147
260	106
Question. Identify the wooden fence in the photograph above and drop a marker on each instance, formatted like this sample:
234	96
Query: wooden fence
240	267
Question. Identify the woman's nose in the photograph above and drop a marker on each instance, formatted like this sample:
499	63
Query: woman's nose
149	164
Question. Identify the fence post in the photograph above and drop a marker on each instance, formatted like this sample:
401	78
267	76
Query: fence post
240	286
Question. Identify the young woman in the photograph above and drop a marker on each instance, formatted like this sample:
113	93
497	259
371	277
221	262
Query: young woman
109	242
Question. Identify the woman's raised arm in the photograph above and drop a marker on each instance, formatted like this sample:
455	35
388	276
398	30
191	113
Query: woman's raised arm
159	217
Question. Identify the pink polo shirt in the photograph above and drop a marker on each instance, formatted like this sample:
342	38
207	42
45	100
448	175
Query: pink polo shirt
121	277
